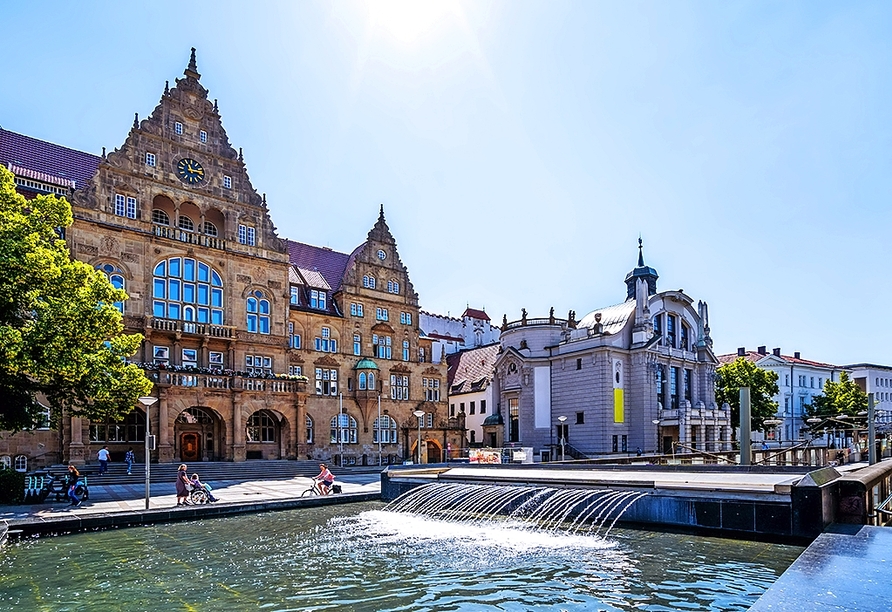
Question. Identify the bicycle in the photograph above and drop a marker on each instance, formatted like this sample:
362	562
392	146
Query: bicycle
316	489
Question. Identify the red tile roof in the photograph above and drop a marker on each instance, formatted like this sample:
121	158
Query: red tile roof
330	264
47	158
475	314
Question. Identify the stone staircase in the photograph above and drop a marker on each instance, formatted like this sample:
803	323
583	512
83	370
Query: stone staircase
208	471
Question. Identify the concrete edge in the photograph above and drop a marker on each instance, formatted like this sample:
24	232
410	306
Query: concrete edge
63	525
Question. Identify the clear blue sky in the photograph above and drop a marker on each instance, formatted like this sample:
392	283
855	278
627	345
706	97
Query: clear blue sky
519	148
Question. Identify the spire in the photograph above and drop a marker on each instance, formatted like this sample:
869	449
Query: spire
643	272
192	68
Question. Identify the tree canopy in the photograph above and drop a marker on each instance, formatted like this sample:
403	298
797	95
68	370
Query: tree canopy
763	387
61	336
839	398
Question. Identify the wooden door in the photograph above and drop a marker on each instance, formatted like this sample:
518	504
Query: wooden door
190	450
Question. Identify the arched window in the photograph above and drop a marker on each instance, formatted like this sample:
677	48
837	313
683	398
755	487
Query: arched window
5	462
210	229
21	463
372	381
160	217
258	313
362	381
180	282
116	276
384	431
261	428
309	423
343	429
393	286
368	281
186	224
131	429
194	416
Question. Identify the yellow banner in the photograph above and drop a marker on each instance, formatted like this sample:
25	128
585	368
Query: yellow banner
618	413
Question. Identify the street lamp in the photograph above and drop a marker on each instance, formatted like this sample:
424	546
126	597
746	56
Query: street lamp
148	401
562	419
657	423
419	414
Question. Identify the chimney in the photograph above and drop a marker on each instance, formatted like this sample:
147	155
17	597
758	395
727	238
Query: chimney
762	350
776	352
741	352
796	355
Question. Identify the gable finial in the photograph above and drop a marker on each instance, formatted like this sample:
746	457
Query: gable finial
166	88
215	105
135	121
103	152
640	252
192	68
241	157
381	213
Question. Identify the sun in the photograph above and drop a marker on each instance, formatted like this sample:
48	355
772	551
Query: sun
408	20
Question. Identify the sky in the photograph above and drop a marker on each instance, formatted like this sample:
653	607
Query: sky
520	148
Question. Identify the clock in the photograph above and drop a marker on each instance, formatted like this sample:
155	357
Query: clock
190	171
382	255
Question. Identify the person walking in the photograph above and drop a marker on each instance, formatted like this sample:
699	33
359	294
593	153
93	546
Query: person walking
71	484
129	458
183	484
103	460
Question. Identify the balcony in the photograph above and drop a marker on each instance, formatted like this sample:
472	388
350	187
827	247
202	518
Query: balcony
191	327
175	233
224	381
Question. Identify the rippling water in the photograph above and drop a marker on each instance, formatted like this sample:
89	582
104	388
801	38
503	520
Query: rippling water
359	557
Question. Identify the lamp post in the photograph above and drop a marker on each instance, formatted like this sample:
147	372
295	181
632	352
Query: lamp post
148	401
341	429
379	429
419	414
656	422
562	419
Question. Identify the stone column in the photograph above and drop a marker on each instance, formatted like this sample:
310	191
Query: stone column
236	430
163	428
77	452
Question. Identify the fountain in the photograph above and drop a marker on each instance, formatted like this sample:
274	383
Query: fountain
545	508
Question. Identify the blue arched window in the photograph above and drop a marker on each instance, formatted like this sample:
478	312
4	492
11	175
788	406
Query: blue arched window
258	310
188	290
116	276
362	381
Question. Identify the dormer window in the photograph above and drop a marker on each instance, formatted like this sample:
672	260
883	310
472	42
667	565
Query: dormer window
178	128
295	295
317	299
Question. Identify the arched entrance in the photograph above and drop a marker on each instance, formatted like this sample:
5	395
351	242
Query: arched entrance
263	436
196	432
434	451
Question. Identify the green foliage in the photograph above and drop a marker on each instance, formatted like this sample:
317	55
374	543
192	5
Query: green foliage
763	387
12	486
843	397
61	336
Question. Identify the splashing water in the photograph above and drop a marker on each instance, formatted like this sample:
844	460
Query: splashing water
574	511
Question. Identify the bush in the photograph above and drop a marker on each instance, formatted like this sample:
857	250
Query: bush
12	486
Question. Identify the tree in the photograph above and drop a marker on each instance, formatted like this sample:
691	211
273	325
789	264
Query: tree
763	386
839	398
61	336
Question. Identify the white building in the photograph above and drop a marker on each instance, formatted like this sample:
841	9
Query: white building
798	381
451	335
470	388
876	379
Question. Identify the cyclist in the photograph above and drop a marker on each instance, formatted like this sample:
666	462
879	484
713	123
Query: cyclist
325	478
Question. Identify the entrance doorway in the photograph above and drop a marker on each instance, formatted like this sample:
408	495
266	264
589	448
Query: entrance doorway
190	448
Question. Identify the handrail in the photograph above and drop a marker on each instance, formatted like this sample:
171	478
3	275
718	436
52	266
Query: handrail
701	452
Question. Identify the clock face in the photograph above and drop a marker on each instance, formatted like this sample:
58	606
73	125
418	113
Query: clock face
382	255
190	171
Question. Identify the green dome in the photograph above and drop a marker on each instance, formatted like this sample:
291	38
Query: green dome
365	364
494	419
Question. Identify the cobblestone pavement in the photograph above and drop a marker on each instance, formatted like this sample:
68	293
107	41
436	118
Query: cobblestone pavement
130	497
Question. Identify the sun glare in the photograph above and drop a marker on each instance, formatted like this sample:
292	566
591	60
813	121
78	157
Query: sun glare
408	20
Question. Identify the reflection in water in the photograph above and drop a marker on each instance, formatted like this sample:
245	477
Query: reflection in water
359	557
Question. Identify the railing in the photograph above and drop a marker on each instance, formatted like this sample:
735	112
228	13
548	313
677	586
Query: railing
864	495
175	233
223	382
531	322
191	327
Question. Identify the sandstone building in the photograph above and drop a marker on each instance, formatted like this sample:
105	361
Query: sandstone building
259	347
